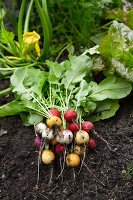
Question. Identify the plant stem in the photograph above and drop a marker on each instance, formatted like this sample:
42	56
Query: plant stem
45	30
5	92
27	20
44	6
20	21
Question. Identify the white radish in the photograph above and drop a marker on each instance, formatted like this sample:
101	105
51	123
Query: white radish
82	137
65	137
48	134
40	127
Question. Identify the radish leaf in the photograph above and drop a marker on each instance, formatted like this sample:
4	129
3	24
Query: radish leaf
112	88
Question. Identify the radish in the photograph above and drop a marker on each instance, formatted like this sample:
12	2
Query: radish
92	144
48	133
47	156
65	137
53	121
74	126
81	137
72	160
59	148
37	141
55	112
70	115
87	126
78	150
40	127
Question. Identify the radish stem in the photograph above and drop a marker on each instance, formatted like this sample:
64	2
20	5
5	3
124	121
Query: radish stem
84	155
63	164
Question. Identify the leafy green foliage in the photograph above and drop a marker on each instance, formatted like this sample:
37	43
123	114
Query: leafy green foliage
67	84
28	81
104	109
6	36
80	66
124	15
111	88
76	20
116	51
12	108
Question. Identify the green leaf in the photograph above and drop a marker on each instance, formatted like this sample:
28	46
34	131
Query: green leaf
105	109
112	46
80	66
29	119
112	88
28	81
6	36
82	93
56	69
12	108
89	107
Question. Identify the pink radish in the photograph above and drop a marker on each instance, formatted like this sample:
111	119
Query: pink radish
87	126
74	126
37	141
70	115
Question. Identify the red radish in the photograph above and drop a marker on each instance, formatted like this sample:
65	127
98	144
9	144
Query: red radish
74	126
92	144
70	115
55	112
87	126
59	148
37	141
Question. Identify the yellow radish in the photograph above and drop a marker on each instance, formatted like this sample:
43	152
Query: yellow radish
47	156
53	121
78	150
73	160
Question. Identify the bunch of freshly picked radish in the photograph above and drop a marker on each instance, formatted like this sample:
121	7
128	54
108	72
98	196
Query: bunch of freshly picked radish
64	136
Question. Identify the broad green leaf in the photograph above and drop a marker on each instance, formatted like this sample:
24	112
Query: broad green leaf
82	93
56	69
89	107
52	79
29	119
80	66
28	81
6	36
111	88
12	108
112	46
105	109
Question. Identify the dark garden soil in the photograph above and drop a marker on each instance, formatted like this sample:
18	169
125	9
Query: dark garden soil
18	168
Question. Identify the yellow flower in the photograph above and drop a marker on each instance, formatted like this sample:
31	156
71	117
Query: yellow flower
31	39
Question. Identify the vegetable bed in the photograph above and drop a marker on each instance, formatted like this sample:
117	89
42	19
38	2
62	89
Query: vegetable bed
111	172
